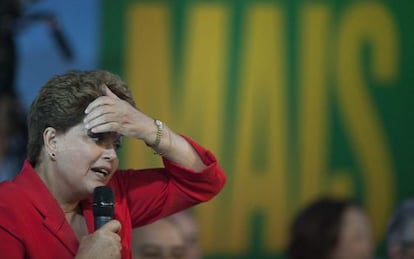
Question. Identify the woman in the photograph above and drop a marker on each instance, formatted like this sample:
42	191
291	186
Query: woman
331	229
75	126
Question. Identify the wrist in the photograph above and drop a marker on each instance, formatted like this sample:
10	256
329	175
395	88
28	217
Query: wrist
158	135
162	141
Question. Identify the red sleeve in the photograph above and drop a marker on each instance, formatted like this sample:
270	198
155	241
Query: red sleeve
10	247
159	192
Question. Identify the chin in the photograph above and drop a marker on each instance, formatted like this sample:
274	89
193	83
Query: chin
93	186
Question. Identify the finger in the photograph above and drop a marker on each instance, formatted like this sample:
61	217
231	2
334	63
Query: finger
96	113
98	102
112	226
109	93
106	127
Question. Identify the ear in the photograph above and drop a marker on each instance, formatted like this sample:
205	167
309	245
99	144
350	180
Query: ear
49	140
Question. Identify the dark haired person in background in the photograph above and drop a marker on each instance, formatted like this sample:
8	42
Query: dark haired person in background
331	229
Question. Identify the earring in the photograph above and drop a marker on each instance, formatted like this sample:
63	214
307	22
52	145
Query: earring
53	156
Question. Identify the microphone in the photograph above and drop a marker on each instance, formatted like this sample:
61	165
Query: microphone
103	205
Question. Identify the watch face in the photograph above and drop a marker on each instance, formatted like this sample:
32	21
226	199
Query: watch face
158	123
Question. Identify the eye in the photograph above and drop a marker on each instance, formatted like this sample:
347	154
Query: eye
96	137
151	253
118	143
178	252
106	139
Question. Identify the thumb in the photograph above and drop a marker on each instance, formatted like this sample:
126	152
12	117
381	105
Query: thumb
112	226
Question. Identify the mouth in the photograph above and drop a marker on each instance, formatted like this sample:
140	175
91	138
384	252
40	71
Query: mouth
101	171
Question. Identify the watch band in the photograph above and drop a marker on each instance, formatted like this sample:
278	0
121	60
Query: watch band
160	126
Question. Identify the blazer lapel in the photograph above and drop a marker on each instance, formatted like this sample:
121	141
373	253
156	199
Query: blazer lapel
61	229
53	217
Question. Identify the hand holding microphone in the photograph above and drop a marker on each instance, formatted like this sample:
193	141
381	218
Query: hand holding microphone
104	243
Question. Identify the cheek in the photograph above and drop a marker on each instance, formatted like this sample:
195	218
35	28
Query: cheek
341	251
116	162
77	154
355	245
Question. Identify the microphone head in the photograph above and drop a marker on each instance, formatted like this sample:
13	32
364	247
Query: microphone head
103	201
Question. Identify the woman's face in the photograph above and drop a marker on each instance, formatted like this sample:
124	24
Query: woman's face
355	238
159	240
85	160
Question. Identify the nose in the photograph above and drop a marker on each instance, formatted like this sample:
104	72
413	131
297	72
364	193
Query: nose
109	154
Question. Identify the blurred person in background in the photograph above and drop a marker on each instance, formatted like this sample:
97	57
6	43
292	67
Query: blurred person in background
331	229
162	239
400	233
13	129
188	226
13	136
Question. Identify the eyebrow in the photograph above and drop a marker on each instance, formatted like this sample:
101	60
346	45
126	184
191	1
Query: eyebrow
178	249
154	247
148	246
104	134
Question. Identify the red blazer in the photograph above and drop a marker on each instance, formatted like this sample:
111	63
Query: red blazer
32	224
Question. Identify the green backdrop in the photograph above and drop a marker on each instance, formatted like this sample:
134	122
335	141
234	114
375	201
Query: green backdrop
296	98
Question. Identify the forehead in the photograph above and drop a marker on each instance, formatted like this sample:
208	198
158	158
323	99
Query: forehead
77	129
160	233
80	130
354	220
352	214
186	223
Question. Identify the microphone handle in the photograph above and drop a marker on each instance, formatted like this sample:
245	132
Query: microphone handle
101	220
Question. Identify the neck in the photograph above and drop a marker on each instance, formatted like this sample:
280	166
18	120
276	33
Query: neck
60	191
70	208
